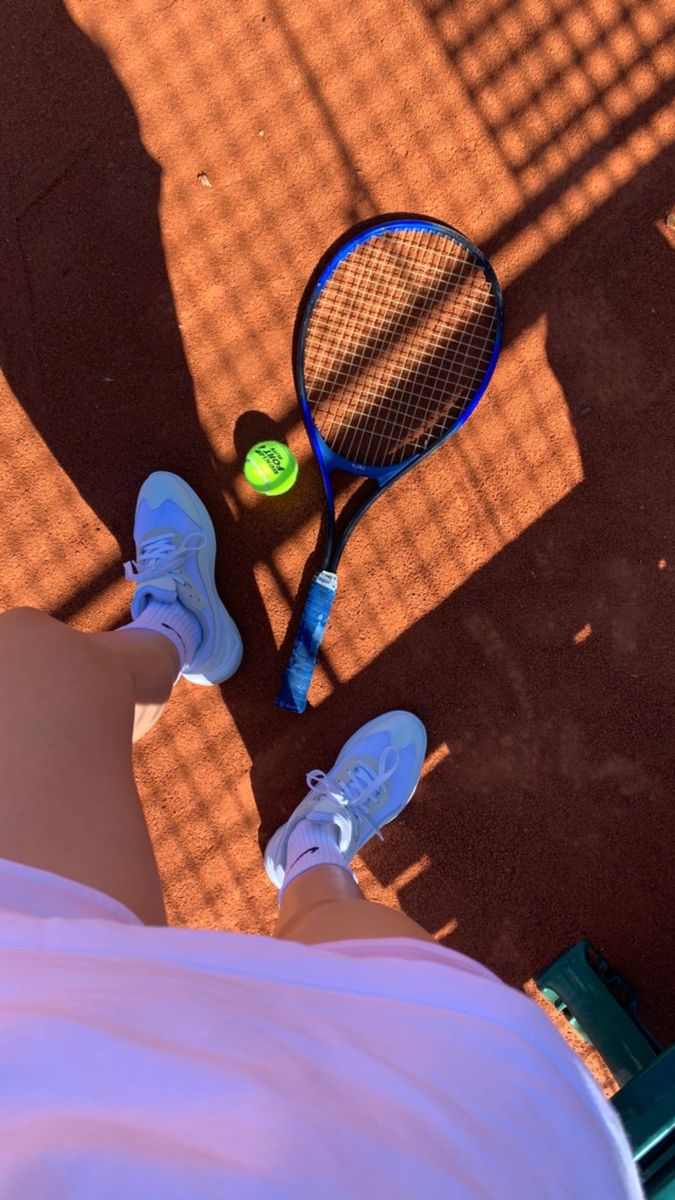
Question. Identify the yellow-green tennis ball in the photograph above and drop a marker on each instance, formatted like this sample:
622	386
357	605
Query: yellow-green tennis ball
271	468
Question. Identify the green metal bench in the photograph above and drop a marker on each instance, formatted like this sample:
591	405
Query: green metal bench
602	1007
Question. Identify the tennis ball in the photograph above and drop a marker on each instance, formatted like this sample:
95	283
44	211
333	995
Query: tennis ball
271	468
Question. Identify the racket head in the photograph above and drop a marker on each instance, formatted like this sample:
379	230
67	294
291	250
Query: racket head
396	338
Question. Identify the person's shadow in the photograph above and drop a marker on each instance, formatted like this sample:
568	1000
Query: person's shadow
90	341
89	337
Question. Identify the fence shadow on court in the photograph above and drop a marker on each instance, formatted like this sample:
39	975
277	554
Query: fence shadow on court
546	678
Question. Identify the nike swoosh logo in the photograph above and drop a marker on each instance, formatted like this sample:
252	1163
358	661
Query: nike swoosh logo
312	850
181	639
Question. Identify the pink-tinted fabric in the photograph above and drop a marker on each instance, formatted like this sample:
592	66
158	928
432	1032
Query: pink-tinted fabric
180	1064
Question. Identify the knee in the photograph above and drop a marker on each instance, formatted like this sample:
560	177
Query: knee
16	619
36	637
33	627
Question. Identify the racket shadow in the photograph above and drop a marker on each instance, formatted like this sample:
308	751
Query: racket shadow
349	494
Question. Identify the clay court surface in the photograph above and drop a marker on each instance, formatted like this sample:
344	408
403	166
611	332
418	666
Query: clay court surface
517	590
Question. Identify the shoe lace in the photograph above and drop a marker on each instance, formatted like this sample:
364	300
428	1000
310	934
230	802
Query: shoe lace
356	785
161	556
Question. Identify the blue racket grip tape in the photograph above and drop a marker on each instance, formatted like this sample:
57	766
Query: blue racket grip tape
298	673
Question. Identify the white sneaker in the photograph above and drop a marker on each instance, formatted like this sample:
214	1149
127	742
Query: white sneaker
373	779
175	560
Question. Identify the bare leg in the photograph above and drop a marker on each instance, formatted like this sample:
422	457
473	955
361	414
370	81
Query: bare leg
147	655
70	704
326	905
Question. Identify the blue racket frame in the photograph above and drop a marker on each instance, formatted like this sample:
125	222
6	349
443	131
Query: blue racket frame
298	674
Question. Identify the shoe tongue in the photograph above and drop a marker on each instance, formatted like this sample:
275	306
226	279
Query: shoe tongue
354	779
328	812
162	588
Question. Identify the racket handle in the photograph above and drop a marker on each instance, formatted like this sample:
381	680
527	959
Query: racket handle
298	673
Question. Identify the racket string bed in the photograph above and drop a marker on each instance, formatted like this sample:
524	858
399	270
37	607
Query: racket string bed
396	345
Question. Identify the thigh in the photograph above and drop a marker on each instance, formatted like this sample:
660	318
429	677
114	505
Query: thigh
68	800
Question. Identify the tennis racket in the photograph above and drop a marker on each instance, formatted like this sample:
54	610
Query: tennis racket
396	337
